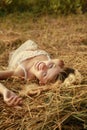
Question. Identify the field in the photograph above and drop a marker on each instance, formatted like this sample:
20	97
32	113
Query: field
62	107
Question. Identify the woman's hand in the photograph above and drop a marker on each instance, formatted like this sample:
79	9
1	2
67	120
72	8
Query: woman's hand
11	99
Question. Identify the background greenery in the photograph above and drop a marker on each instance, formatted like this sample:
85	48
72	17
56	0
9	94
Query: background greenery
43	6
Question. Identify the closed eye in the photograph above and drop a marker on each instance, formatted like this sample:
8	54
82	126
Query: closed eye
51	65
44	74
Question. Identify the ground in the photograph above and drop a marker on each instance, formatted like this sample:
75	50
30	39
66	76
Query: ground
61	108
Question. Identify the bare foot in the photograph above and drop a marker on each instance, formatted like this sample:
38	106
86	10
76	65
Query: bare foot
11	99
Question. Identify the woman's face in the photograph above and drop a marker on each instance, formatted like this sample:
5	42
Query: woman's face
47	71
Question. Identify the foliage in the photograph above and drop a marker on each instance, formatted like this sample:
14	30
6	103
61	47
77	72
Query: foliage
44	6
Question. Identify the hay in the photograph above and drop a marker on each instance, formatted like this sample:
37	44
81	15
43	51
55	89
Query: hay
63	106
47	111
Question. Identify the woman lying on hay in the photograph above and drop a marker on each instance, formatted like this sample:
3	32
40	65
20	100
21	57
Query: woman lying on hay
29	62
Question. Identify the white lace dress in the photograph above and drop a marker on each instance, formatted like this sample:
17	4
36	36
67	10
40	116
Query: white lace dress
27	50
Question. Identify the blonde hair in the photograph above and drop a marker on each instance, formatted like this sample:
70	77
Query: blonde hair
70	76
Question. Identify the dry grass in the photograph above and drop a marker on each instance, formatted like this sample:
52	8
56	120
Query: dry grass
62	107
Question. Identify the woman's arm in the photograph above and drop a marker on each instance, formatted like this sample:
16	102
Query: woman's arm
6	74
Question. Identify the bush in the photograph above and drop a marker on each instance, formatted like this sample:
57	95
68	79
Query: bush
44	6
